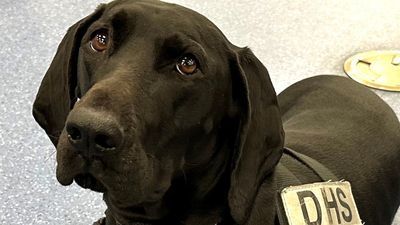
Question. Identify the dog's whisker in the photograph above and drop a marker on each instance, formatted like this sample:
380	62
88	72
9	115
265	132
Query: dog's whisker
51	155
184	175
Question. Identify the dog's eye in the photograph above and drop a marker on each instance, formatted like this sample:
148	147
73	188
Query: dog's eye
99	42
187	65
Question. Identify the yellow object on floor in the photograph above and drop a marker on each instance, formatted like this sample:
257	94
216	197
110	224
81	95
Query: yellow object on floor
376	69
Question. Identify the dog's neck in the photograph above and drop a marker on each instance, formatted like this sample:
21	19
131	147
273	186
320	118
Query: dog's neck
199	197
208	204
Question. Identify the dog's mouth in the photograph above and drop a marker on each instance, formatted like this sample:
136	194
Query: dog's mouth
88	181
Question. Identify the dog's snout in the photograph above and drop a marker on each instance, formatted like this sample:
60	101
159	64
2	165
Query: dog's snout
89	135
92	132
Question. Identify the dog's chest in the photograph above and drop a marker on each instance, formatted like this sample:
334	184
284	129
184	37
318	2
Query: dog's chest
214	218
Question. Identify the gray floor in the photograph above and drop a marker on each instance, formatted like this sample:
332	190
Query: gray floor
295	39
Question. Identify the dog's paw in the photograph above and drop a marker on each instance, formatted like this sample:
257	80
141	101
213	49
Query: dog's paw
101	221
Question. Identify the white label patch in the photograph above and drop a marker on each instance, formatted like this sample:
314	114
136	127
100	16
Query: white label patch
326	203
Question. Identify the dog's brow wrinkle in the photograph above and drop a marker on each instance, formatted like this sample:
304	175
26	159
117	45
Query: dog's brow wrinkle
173	46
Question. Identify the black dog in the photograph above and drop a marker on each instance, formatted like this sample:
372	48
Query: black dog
178	126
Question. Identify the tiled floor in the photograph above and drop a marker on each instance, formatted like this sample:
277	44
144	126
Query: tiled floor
295	39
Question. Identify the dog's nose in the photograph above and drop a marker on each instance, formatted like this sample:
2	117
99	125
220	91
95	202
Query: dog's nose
93	133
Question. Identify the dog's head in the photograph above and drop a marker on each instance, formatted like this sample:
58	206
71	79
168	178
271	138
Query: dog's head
147	100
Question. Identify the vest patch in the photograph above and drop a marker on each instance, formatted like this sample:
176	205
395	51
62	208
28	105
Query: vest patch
324	203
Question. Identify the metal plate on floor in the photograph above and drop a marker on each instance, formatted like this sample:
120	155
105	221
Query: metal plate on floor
376	69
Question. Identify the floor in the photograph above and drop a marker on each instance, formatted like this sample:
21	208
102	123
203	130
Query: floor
295	39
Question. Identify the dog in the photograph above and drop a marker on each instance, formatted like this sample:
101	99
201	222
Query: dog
150	104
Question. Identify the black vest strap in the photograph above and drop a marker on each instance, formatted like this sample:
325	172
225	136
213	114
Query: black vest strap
320	170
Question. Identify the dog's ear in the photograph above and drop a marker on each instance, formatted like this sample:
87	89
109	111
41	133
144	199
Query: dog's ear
260	137
56	95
